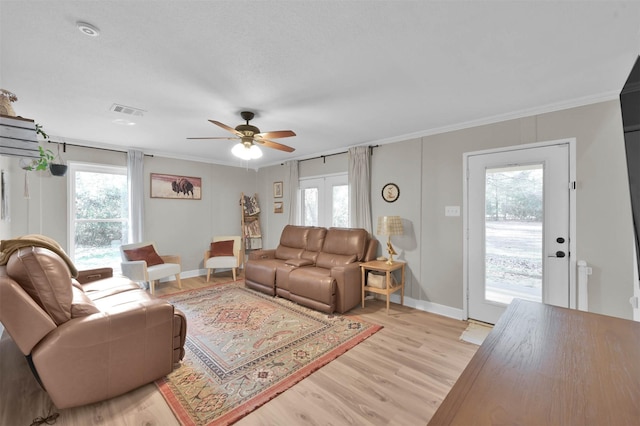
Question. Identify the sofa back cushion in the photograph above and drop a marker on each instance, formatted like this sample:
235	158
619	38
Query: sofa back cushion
346	241
46	278
329	260
314	243
293	241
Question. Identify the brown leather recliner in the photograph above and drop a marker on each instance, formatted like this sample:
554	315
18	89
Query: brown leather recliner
86	342
314	267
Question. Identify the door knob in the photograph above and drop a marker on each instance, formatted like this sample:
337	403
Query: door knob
560	254
560	240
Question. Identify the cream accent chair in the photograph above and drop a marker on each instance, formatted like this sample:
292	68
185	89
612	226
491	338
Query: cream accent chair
233	262
137	270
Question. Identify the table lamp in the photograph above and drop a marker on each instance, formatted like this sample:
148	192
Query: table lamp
390	225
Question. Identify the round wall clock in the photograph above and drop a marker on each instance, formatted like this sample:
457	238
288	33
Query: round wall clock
390	192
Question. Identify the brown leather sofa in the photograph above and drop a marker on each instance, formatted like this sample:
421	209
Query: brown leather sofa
312	266
89	339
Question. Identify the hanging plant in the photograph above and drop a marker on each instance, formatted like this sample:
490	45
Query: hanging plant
57	166
46	155
42	163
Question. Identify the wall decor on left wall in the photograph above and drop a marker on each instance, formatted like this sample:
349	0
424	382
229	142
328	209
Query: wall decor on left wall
176	187
277	190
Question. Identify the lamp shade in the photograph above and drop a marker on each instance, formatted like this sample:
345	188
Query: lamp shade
390	225
246	152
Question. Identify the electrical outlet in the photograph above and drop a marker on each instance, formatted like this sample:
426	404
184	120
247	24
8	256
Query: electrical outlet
452	210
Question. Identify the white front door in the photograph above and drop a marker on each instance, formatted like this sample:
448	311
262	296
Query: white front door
518	217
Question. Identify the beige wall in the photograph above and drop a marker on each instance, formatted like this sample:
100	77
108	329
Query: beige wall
428	171
182	227
604	227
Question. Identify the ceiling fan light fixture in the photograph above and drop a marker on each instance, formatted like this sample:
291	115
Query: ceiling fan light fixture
244	152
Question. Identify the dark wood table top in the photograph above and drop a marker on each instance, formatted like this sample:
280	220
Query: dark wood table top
545	365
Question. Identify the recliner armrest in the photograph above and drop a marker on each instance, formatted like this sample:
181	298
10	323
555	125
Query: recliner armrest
262	254
299	262
348	283
25	321
89	275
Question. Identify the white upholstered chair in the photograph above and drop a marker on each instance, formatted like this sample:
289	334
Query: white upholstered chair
140	264
233	262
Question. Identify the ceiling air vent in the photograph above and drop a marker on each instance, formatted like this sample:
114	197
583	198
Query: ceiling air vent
123	109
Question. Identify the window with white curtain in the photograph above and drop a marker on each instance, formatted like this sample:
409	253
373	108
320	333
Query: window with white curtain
98	214
324	201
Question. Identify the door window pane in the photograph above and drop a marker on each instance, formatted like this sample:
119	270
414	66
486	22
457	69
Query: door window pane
513	233
310	207
340	216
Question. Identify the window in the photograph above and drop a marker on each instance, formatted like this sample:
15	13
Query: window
98	215
324	201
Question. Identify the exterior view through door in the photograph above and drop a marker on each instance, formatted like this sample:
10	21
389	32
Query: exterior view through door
518	219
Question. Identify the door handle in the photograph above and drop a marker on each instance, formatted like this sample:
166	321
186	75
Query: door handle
559	253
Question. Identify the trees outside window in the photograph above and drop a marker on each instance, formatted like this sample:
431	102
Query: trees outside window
99	215
324	201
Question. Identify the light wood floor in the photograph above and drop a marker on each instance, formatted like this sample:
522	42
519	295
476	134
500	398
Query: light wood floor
398	376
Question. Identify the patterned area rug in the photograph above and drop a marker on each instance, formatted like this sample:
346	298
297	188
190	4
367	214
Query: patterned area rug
243	348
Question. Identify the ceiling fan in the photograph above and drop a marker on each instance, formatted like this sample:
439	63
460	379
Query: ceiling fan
250	137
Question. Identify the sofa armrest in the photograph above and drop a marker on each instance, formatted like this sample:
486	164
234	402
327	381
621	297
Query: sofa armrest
25	321
171	258
92	358
89	275
135	270
262	254
348	285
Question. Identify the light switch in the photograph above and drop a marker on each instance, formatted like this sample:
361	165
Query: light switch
452	210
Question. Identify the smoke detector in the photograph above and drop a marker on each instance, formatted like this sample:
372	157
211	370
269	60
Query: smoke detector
88	29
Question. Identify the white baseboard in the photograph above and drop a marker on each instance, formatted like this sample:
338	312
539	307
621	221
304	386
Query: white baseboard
426	306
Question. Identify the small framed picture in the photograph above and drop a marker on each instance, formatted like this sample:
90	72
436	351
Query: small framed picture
278	207
277	189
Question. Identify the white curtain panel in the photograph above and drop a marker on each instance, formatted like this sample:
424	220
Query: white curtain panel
293	187
135	183
360	187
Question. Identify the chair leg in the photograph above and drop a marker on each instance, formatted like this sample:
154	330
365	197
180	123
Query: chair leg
152	286
233	270
179	282
208	274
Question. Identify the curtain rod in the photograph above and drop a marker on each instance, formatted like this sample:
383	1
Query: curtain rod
324	157
65	145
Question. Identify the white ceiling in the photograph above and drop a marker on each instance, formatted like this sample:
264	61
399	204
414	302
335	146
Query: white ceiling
338	73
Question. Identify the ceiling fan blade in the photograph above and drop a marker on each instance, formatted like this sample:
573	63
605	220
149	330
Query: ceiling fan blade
276	134
274	145
223	137
227	128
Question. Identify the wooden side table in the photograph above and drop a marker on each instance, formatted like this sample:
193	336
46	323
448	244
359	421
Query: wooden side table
383	266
